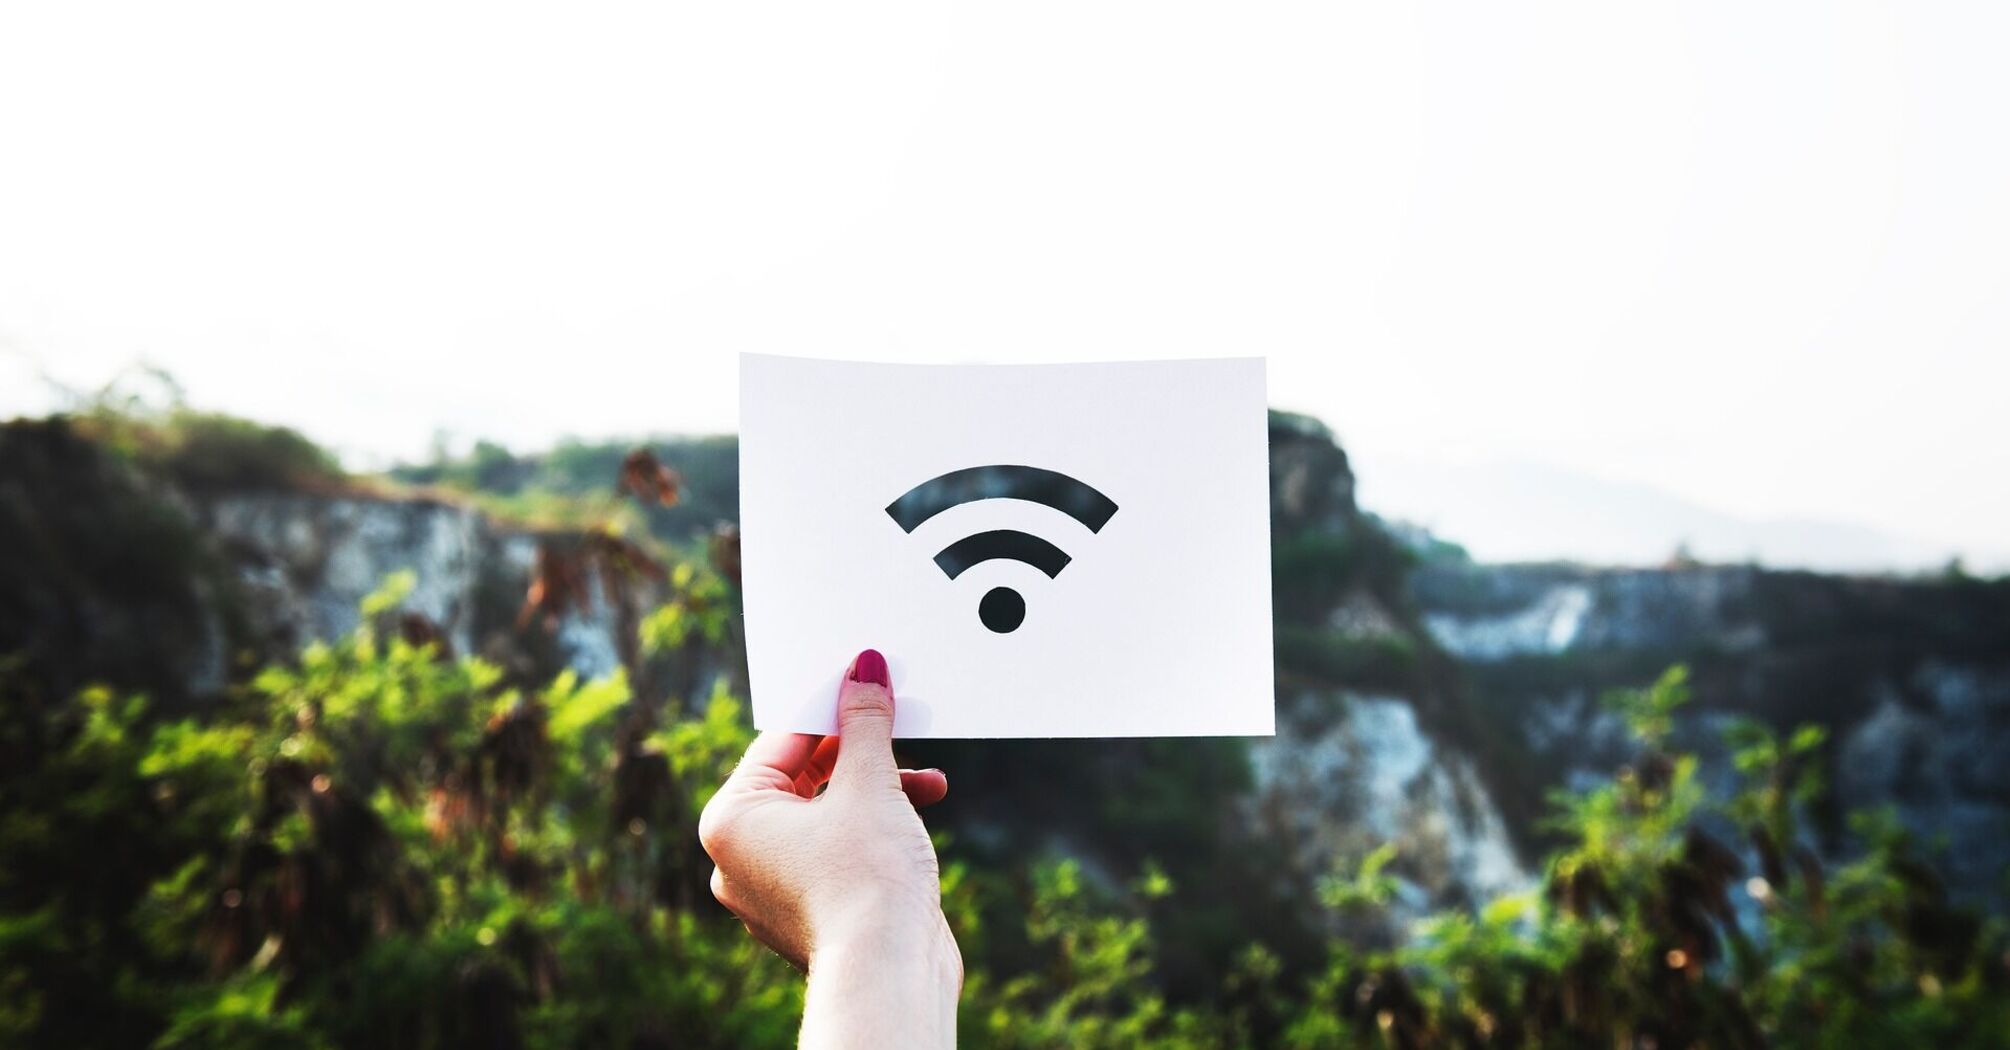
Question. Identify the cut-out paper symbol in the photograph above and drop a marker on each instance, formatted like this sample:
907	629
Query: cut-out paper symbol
1002	609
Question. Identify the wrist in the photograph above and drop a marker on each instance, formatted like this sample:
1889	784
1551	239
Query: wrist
915	935
884	978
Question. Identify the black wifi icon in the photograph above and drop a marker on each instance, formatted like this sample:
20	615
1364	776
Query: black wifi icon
1002	609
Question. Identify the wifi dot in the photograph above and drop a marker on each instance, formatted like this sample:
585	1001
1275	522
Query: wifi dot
1002	609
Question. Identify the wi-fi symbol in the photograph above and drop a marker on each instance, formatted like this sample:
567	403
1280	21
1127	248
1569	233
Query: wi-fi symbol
1002	609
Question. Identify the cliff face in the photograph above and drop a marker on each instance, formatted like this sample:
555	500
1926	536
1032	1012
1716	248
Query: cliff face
1359	758
303	563
1333	791
1911	679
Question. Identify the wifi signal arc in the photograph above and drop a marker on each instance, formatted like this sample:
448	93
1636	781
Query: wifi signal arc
1010	544
1003	481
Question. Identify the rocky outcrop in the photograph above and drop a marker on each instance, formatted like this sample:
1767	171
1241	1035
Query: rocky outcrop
303	563
1933	749
1911	678
1359	761
1334	792
1487	613
1311	483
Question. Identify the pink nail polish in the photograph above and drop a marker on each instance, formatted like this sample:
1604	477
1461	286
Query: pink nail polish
871	667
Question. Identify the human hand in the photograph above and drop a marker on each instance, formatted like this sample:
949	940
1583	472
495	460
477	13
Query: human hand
843	883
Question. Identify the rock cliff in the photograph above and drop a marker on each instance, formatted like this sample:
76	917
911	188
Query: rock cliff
1911	677
1360	757
304	562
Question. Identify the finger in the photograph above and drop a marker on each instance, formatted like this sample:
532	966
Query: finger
865	722
819	768
924	787
773	761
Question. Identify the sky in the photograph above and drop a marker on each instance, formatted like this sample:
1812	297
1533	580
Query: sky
1745	259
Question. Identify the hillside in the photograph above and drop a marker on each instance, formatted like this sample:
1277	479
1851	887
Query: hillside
1427	706
1491	675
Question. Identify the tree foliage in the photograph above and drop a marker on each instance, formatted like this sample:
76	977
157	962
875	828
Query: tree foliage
372	845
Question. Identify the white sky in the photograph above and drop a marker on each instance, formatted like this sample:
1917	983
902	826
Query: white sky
1755	255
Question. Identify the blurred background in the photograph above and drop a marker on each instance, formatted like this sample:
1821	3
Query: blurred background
368	579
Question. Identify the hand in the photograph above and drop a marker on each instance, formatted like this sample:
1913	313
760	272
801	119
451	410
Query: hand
842	883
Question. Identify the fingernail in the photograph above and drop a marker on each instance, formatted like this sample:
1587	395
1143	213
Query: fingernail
871	667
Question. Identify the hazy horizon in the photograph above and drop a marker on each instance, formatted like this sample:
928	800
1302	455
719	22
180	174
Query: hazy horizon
1499	511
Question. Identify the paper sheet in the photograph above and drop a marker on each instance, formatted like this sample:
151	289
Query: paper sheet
1039	550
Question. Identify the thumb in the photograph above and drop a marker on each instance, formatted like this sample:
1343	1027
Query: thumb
865	726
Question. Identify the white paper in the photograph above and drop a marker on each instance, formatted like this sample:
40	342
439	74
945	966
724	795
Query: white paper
1157	625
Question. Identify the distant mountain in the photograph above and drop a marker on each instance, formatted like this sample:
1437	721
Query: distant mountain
1529	512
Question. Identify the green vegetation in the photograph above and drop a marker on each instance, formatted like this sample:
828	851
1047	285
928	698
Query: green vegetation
1310	569
1382	664
375	846
574	483
205	451
101	579
369	844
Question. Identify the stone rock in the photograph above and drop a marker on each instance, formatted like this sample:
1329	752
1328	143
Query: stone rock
1910	677
1338	791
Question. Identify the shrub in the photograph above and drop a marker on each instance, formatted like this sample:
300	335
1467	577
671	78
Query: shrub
212	451
375	846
